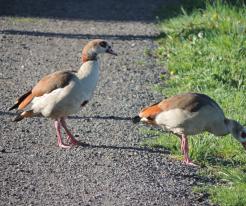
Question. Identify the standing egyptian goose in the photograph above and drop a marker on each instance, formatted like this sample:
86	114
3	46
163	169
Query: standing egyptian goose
63	93
191	114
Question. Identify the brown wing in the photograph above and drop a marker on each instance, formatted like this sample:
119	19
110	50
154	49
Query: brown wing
191	102
184	101
46	85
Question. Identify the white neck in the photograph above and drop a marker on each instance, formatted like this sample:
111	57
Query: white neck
88	68
88	76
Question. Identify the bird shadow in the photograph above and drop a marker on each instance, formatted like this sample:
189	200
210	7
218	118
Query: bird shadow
133	148
98	117
3	113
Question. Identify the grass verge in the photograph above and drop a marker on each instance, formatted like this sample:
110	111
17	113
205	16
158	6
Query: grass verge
204	49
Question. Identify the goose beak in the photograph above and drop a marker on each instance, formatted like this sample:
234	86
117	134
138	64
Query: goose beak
244	145
110	51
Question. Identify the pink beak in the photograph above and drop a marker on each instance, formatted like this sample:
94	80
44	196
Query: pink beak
110	51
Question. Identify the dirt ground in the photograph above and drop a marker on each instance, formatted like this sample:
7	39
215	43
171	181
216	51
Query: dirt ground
113	169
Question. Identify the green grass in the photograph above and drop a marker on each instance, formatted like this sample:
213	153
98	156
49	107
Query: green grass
205	51
26	20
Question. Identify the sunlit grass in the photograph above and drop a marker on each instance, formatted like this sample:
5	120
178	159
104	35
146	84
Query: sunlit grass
26	20
205	51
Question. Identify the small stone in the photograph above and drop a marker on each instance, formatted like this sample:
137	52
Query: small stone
2	150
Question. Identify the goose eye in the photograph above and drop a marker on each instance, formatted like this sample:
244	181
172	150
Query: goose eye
103	44
243	134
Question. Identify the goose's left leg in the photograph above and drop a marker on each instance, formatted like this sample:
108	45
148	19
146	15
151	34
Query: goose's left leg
69	134
58	133
185	150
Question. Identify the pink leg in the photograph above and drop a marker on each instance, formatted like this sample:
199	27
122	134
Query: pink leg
59	137
70	136
182	145
185	150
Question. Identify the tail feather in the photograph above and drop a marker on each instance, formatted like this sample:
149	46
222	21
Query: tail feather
15	106
23	115
20	100
18	118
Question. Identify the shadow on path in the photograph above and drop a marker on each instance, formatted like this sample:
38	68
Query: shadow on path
76	36
96	10
3	113
113	147
97	117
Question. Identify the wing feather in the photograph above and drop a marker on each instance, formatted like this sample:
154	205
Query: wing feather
46	85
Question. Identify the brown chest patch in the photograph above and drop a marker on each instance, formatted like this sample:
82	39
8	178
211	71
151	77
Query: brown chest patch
150	112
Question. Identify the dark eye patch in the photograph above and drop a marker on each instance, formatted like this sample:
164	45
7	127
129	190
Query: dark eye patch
103	44
243	135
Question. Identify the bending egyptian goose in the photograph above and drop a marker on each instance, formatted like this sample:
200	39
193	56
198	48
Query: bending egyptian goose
191	114
63	93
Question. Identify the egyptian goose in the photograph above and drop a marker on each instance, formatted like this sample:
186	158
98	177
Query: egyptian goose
190	114
63	93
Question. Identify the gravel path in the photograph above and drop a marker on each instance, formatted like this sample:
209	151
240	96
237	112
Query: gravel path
114	169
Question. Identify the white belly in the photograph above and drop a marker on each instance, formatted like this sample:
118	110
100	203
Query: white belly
190	123
60	102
